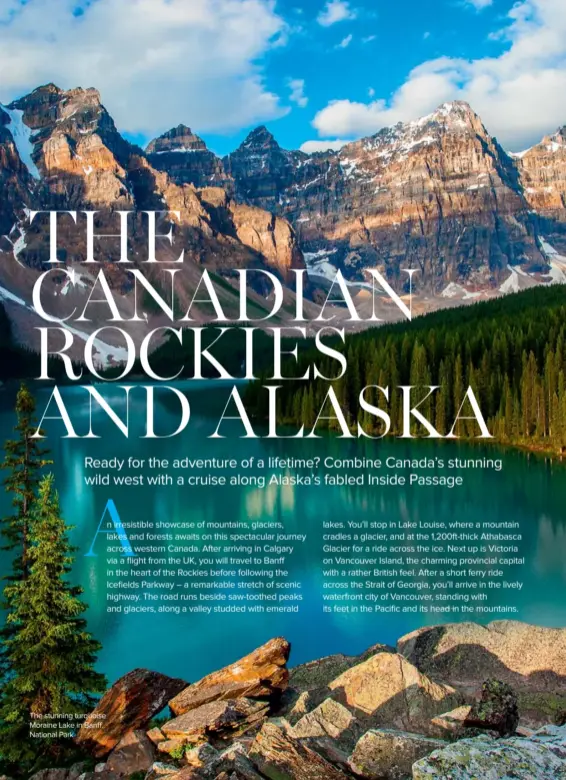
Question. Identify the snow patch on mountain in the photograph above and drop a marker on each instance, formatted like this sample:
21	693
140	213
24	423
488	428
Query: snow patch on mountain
76	279
519	155
511	284
182	149
21	134
20	244
454	290
318	264
557	262
515	282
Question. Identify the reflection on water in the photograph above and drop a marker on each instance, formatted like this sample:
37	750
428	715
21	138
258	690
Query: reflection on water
529	490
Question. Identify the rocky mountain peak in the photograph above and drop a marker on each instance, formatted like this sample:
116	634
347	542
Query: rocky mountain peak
437	192
82	97
45	93
48	107
261	169
184	156
406	137
543	174
67	142
456	109
178	139
555	142
259	139
458	116
38	107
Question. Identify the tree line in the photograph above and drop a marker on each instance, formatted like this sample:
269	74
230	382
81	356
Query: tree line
511	351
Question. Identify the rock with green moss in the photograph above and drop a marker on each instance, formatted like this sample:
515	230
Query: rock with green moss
173	747
531	659
542	757
496	710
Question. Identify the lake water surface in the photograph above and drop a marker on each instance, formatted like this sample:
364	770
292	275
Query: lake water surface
530	490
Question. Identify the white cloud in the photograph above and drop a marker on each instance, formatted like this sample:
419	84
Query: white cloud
479	5
297	87
156	62
335	11
369	39
520	95
345	42
344	117
310	147
371	92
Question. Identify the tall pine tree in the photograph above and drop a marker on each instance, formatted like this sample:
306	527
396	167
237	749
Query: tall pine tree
25	457
50	653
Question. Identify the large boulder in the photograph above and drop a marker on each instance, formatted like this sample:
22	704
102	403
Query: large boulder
496	710
386	690
308	682
128	705
262	674
383	754
318	674
216	718
330	719
134	753
531	659
542	757
279	756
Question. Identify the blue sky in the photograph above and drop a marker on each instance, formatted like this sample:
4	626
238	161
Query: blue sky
388	39
317	73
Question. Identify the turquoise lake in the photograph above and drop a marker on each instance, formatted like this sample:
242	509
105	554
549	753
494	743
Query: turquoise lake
529	489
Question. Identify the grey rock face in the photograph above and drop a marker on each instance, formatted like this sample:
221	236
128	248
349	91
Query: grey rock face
542	757
383	754
531	659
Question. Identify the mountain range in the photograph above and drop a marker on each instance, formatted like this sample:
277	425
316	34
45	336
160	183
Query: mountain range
438	195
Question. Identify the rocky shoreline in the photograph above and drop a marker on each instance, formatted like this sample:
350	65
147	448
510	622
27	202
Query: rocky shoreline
458	701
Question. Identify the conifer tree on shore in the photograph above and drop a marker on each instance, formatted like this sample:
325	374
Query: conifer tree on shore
50	653
25	457
24	460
